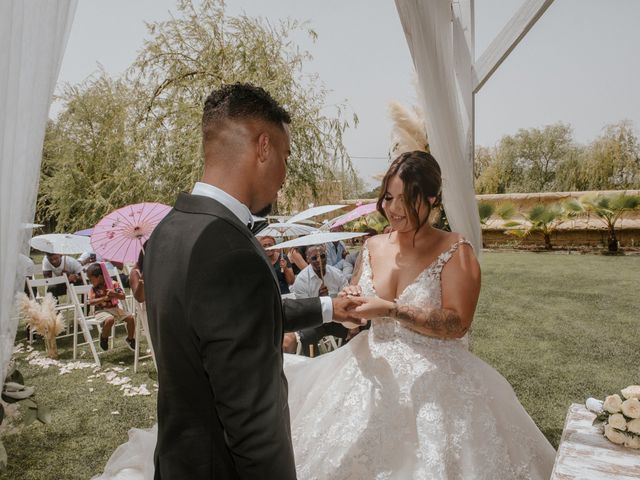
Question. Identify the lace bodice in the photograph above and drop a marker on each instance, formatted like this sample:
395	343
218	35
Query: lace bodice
425	290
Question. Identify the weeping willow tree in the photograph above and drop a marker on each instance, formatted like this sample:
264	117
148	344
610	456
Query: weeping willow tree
143	130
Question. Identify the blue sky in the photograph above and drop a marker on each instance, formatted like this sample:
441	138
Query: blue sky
578	65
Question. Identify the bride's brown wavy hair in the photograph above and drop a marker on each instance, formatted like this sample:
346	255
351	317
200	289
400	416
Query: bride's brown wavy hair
421	178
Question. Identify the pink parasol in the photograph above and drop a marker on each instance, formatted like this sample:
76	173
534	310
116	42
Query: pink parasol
357	212
119	236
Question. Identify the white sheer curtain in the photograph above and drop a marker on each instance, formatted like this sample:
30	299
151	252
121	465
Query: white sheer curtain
429	31
33	37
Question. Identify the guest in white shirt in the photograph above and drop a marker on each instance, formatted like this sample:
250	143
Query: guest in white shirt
54	265
87	258
316	280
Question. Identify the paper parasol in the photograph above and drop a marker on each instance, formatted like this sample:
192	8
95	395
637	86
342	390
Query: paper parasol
119	236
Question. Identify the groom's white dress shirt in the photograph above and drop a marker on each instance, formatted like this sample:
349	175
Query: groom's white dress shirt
243	213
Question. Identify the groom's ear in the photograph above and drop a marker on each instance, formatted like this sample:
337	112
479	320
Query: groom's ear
263	146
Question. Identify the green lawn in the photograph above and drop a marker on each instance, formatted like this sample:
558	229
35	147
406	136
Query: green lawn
559	327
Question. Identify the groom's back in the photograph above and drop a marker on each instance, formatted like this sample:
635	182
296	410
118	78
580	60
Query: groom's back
191	442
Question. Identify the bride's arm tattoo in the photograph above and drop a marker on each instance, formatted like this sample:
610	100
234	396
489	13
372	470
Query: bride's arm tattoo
433	321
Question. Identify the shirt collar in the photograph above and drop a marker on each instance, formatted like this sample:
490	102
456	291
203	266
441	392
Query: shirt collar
238	208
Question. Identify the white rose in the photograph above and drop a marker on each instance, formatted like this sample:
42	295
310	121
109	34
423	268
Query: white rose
634	426
632	441
631	408
617	421
612	403
632	391
613	435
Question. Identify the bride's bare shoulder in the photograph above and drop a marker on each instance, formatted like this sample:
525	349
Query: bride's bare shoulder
465	258
377	242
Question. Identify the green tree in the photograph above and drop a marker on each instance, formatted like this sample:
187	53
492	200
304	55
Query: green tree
613	159
137	138
187	56
486	210
609	209
541	219
90	165
498	170
547	159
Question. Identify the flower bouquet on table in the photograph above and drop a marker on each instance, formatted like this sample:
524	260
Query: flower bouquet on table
620	416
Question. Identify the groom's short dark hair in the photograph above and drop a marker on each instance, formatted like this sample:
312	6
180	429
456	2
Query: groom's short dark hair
238	101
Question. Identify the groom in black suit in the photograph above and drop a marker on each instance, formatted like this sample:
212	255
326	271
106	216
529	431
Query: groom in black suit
214	307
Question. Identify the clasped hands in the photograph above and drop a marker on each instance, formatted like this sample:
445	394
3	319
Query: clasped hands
352	309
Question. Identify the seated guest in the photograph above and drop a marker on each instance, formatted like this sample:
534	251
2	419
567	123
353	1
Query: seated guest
87	258
352	258
346	267
336	251
136	281
281	265
54	265
297	257
317	280
105	302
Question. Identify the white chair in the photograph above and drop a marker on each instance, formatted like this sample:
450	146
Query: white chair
327	344
34	271
142	325
86	322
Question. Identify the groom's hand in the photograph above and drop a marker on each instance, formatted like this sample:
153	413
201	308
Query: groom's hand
344	311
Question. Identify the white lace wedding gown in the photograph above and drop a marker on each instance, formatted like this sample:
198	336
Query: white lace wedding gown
394	404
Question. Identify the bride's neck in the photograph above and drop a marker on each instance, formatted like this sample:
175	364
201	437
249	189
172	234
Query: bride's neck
411	239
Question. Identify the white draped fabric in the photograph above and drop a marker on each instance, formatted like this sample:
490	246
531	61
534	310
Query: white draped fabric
33	37
437	43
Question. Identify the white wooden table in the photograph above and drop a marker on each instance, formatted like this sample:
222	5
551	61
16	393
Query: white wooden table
585	454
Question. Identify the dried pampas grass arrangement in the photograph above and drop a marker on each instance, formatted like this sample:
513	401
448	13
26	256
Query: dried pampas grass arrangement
43	319
408	132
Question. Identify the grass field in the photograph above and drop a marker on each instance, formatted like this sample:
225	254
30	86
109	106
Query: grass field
559	327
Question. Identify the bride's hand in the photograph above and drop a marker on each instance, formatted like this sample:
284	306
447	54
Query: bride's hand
353	290
373	307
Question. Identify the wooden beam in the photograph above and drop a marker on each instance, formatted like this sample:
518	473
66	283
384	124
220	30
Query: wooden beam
504	43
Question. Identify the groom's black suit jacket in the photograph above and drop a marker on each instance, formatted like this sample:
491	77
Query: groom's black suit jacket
216	321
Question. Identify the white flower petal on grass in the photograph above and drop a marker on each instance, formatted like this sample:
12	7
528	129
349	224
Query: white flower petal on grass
134	391
115	412
632	391
90	390
631	408
119	381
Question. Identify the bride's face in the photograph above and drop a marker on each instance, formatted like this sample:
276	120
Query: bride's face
395	208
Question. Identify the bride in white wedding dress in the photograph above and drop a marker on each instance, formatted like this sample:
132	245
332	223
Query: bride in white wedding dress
405	399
